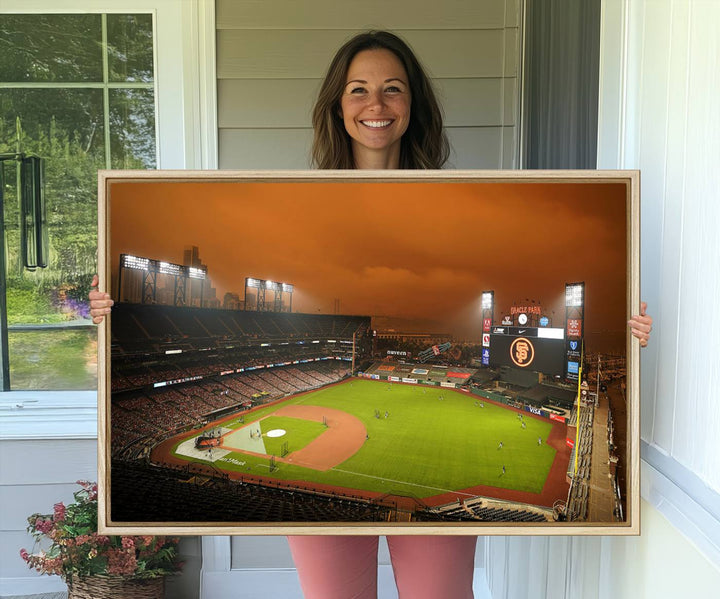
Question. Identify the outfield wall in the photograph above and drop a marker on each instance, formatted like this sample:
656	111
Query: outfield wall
407	380
496	397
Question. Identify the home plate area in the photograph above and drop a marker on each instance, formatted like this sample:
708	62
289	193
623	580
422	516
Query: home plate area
188	449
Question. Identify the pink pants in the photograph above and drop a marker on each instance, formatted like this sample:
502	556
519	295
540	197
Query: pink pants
425	567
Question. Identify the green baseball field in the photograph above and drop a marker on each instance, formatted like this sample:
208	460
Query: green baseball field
384	438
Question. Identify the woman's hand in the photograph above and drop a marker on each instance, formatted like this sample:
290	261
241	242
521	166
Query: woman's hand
100	303
641	325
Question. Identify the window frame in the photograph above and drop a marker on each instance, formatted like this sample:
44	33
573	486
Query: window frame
186	138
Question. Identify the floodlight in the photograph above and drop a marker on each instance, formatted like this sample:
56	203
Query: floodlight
135	262
169	269
269	284
250	282
574	294
196	273
487	300
287	288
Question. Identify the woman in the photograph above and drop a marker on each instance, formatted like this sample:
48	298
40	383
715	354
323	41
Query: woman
376	75
377	110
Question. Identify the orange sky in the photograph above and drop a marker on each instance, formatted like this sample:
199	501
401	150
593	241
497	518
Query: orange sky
417	250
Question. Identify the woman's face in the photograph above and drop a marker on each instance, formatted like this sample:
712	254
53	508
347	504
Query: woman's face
375	104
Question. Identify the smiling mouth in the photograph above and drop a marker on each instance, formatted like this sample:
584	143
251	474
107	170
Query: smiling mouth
376	124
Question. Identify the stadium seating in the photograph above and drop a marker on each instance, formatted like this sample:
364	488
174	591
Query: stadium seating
181	495
140	414
578	497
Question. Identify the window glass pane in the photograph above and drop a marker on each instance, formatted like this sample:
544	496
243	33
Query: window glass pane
52	343
53	121
54	359
37	48
132	128
65	128
130	48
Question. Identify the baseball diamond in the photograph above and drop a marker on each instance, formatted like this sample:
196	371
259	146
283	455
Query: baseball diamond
419	447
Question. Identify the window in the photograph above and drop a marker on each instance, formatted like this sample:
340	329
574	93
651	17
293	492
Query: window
78	91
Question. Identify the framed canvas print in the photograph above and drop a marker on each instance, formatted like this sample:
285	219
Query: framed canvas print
369	352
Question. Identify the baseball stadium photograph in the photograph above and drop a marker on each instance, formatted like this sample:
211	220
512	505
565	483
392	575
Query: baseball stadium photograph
400	353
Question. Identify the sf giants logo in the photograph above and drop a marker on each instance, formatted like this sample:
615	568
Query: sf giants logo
522	352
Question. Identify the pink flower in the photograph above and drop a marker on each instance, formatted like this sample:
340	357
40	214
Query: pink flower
59	509
43	526
93	492
53	565
128	543
121	562
73	554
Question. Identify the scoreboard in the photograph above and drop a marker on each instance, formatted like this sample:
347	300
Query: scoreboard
538	349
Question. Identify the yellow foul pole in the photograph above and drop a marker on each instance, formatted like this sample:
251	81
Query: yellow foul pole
577	426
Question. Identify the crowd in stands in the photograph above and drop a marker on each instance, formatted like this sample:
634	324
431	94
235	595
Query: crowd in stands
139	414
133	372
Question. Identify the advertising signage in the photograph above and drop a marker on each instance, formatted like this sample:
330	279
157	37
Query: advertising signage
572	372
574	327
545	333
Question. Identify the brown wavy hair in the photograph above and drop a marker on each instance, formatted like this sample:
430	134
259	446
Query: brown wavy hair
424	144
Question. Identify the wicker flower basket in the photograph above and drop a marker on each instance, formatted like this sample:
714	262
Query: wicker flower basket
116	587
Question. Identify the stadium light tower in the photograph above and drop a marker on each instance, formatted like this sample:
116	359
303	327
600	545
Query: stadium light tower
252	283
574	293
278	289
487	300
574	325
262	287
149	271
288	288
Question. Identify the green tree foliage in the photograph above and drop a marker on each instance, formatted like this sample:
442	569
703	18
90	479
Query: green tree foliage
71	197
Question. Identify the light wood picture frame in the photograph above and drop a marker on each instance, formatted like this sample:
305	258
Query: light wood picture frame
369	352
